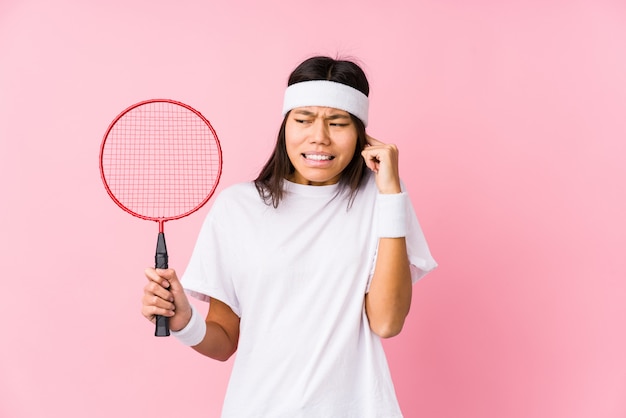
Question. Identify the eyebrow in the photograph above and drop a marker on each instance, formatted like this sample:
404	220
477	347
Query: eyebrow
305	112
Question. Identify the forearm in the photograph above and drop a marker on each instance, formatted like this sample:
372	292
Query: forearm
217	336
389	298
216	343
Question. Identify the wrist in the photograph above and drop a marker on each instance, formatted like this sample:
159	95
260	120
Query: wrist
193	333
391	221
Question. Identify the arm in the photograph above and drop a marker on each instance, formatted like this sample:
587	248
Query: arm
164	295
222	332
389	298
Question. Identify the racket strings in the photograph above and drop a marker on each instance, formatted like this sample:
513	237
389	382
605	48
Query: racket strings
161	160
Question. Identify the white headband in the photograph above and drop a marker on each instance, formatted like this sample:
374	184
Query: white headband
328	94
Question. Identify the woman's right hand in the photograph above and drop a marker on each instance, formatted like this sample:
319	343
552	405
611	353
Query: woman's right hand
164	295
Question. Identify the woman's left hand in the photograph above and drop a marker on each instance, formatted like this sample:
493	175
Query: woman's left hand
382	159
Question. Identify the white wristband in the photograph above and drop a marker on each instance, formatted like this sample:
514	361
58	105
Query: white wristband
194	331
392	220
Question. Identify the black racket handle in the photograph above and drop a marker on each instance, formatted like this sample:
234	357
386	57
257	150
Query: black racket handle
160	261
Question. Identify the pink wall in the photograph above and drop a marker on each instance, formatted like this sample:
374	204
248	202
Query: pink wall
510	118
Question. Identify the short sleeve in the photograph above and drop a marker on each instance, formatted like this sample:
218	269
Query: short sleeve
420	258
208	274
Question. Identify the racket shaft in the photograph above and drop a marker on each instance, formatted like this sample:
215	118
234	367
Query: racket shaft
160	261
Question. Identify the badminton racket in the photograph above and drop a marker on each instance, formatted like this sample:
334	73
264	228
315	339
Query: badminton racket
160	160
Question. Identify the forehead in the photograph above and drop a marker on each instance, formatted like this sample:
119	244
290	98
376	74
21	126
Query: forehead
321	111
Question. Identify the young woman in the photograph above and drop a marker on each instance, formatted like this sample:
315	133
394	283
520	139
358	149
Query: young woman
307	267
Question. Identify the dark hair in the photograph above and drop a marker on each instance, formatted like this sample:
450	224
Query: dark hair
269	183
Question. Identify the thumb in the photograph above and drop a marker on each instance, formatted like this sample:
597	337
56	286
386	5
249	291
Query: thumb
181	302
169	280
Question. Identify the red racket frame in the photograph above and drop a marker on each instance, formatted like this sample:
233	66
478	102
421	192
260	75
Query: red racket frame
160	220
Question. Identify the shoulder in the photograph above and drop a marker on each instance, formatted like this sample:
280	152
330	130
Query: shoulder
244	190
238	190
236	197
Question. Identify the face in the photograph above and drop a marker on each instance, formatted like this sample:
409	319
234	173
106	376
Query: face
320	144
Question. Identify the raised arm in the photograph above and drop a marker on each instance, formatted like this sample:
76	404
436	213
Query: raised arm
389	298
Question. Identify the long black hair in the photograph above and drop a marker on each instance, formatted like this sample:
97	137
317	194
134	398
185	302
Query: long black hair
269	183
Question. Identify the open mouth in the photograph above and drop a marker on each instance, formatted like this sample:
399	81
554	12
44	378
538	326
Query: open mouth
318	157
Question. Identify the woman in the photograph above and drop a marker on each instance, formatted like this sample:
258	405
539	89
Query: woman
307	267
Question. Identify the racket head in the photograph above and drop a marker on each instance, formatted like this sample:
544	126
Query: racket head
160	160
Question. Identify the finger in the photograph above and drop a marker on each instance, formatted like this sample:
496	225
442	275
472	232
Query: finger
383	153
154	276
173	283
370	160
158	302
150	312
172	288
375	154
372	141
165	277
154	303
153	288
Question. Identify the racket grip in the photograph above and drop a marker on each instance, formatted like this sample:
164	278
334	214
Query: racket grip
162	326
160	261
160	257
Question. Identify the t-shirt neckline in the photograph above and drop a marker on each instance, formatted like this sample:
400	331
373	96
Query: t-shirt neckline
308	190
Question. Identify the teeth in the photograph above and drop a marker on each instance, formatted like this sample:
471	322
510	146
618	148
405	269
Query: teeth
318	157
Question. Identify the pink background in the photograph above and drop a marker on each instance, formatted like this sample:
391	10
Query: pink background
510	119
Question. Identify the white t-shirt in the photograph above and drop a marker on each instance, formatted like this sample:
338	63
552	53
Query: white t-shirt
297	277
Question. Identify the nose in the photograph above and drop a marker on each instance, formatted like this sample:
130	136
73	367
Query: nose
319	133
